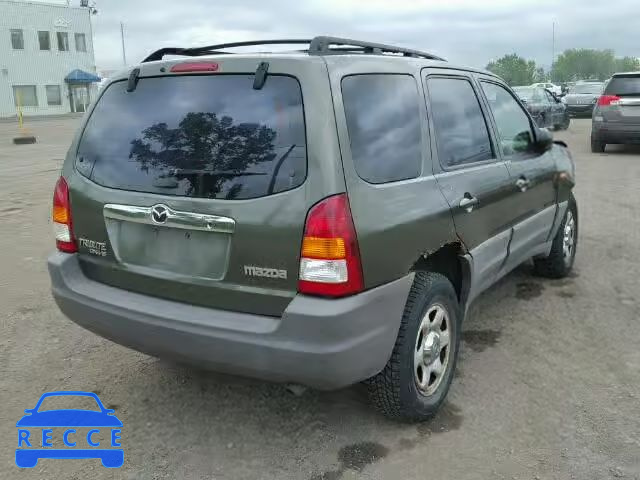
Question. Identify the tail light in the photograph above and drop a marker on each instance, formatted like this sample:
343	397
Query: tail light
330	259
606	100
61	214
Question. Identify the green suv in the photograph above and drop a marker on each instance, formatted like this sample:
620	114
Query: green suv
323	216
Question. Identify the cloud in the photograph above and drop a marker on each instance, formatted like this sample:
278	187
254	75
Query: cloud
463	31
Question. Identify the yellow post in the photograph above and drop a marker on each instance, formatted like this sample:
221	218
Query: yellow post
24	137
19	107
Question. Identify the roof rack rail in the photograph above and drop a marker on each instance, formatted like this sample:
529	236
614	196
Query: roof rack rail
214	49
317	46
322	46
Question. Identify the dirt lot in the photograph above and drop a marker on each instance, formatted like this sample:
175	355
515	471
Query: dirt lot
548	385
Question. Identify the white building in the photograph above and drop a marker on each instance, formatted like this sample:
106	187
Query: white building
46	58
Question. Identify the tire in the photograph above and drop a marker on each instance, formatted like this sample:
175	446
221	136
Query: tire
558	264
395	391
564	125
597	147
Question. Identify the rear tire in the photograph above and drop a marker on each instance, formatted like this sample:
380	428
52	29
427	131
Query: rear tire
563	250
410	387
597	147
564	125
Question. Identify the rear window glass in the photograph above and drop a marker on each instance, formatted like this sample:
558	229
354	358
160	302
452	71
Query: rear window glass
207	136
383	120
587	88
461	131
627	85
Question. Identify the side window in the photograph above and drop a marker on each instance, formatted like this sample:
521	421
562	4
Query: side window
537	96
383	122
461	131
512	121
549	97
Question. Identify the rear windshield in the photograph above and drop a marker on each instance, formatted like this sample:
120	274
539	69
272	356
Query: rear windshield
210	136
586	88
626	85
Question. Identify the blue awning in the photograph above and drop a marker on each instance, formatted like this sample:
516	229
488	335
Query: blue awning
80	76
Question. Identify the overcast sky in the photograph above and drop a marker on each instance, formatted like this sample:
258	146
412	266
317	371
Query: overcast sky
464	31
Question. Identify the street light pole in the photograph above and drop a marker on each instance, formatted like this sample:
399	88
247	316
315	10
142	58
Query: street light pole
553	50
124	55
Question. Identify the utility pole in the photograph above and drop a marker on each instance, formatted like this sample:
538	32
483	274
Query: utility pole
124	55
553	51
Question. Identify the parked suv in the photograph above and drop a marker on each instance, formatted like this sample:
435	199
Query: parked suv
616	117
321	217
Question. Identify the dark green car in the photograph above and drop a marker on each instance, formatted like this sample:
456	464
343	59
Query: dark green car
322	217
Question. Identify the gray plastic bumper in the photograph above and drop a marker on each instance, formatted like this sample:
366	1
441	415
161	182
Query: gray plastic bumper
322	343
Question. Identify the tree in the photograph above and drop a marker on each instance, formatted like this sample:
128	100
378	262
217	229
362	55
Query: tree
627	64
514	69
202	141
541	75
584	64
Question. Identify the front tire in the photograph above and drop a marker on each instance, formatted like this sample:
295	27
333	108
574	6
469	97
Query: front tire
414	383
563	249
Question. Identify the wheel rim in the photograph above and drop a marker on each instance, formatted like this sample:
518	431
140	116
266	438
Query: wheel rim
431	352
569	238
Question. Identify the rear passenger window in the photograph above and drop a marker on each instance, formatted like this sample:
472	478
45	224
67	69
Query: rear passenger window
383	121
512	121
461	131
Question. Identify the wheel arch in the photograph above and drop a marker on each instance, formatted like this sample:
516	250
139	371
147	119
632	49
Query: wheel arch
452	261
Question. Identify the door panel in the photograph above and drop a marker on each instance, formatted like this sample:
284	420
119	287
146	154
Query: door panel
485	230
557	110
532	191
476	185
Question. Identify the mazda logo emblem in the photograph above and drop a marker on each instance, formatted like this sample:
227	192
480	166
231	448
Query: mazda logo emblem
159	213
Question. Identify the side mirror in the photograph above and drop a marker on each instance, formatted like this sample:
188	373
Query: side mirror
544	140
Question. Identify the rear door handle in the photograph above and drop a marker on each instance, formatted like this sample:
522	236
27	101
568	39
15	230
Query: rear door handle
468	202
522	183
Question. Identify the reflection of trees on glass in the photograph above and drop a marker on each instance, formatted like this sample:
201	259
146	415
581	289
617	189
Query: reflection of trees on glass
204	149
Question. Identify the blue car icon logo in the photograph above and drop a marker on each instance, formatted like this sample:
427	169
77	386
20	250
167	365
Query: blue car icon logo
82	433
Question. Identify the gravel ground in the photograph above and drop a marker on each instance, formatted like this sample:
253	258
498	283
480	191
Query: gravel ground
548	385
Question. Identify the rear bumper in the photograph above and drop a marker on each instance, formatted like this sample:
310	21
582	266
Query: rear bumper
325	344
580	109
610	132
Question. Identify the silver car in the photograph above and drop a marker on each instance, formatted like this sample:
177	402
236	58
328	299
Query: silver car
616	117
582	98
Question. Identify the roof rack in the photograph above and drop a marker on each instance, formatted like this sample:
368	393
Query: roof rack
317	46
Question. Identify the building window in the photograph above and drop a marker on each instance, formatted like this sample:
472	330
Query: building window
81	42
17	39
25	95
63	41
53	95
44	40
